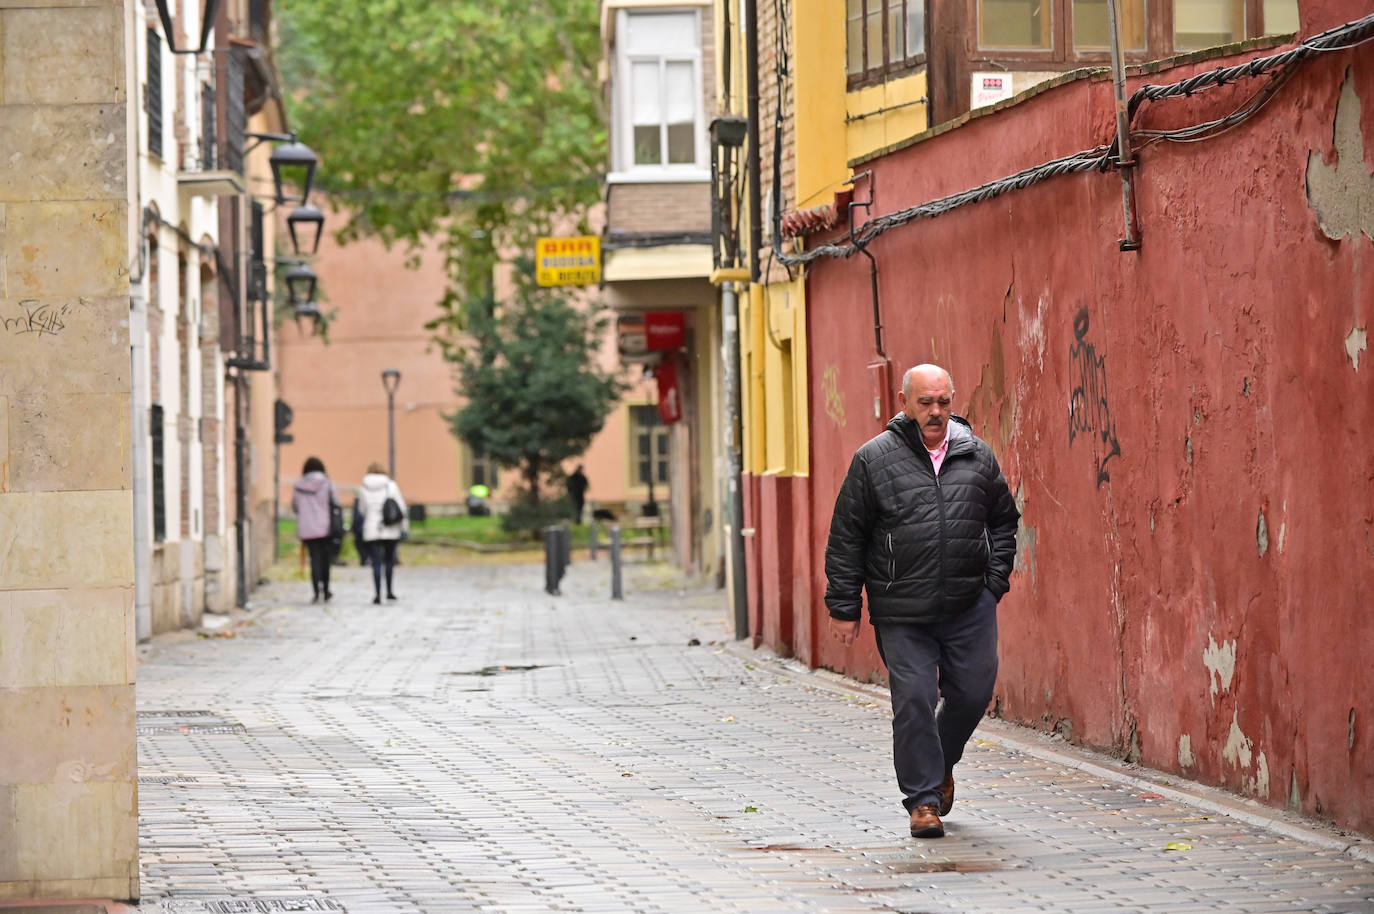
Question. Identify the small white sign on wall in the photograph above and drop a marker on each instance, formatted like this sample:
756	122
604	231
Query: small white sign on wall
990	88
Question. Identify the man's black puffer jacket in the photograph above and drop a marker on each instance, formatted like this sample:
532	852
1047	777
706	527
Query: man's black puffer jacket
924	547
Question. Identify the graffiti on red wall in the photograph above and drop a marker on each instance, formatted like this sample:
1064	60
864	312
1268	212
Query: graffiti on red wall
834	402
1090	415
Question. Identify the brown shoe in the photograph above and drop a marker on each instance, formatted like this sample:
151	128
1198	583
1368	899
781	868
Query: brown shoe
925	823
947	794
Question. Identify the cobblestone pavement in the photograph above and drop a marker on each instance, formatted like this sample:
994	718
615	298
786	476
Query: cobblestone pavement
480	746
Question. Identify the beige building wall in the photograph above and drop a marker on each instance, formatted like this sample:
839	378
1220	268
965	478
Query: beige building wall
68	800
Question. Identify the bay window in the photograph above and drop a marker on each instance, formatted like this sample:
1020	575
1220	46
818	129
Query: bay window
883	38
660	94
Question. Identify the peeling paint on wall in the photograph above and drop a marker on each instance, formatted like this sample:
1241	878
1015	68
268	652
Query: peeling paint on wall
1220	660
1025	536
1238	751
1283	527
1262	534
1354	345
1342	195
1032	336
1259	784
1238	745
1185	751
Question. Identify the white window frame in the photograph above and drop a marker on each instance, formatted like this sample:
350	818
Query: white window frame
625	169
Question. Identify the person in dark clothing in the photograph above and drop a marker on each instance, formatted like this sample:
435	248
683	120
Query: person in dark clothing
577	492
314	501
357	528
925	523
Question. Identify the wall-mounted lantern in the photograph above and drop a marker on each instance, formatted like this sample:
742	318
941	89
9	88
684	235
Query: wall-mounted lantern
208	13
300	283
310	221
308	310
292	162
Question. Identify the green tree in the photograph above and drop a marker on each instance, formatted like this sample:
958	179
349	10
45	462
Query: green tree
536	392
479	123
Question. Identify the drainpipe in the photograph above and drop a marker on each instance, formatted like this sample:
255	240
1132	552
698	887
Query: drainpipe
734	494
751	70
143	535
1125	160
240	496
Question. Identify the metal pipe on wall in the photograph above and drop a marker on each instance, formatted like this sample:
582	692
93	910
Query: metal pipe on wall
751	69
142	483
1125	159
240	495
734	490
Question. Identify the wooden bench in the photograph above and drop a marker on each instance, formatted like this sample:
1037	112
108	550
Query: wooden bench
645	532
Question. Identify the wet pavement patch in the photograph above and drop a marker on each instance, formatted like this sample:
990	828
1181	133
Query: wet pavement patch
498	670
150	722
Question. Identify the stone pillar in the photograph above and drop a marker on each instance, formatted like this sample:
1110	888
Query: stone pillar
68	789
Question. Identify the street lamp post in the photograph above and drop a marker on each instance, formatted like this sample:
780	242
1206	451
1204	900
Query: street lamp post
391	379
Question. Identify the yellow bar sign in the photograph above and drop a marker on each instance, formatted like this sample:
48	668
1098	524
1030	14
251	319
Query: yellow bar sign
574	261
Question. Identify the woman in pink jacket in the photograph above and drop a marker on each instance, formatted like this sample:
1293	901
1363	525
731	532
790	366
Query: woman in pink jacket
313	501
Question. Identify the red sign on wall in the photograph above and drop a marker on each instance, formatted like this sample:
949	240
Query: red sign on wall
669	393
665	330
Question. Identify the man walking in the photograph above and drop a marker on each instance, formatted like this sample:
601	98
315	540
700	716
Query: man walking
577	492
926	524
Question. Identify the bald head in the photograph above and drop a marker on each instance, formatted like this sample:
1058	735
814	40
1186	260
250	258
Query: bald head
926	373
926	397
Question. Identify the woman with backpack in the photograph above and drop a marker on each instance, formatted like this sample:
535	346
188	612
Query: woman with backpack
319	518
384	522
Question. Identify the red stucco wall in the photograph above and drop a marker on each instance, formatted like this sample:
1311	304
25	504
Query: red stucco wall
1189	428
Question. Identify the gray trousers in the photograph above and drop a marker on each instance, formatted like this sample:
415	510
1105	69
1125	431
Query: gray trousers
955	659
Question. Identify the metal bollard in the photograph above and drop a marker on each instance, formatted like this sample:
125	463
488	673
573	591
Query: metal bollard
616	592
565	547
591	540
553	556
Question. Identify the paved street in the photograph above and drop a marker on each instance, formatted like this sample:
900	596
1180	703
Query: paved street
480	746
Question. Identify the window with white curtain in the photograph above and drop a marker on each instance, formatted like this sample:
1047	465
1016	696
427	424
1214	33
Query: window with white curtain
661	96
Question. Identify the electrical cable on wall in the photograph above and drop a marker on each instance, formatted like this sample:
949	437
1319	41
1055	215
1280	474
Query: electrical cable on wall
1101	158
781	72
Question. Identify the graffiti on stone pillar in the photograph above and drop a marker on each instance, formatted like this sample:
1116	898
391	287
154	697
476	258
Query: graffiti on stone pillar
42	319
1090	414
834	402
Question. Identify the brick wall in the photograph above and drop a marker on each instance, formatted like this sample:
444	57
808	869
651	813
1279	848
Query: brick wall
773	29
658	208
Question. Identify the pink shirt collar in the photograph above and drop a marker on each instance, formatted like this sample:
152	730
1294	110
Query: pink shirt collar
937	456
